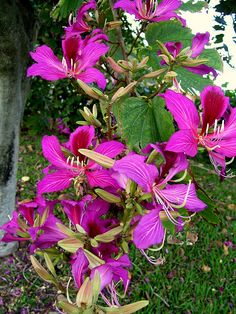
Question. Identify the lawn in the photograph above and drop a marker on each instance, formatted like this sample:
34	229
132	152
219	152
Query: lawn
198	275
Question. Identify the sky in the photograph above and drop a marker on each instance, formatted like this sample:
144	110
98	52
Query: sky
204	21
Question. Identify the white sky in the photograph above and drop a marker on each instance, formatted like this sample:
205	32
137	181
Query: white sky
204	21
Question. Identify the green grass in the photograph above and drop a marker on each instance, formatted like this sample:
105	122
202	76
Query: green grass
181	284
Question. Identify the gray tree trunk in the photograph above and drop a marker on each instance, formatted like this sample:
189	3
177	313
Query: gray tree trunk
16	32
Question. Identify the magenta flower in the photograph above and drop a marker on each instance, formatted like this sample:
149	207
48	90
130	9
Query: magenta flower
80	26
114	271
198	45
68	165
151	10
87	214
215	130
170	196
34	223
79	58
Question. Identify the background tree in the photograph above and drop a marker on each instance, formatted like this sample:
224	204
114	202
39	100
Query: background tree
16	33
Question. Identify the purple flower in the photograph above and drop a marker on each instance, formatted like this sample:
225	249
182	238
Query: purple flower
35	223
80	26
198	44
151	10
62	127
166	197
216	130
68	165
79	58
114	270
88	213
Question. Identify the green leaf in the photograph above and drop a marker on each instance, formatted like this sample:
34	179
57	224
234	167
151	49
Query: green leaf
168	31
163	118
142	121
193	6
192	82
167	224
164	32
208	213
64	8
214	58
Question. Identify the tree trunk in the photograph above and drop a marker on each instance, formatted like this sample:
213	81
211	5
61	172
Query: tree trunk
16	33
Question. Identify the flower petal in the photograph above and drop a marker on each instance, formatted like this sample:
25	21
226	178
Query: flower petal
149	231
79	267
165	6
176	194
56	181
198	43
106	275
110	149
48	66
128	6
183	141
101	178
214	104
92	75
53	153
202	69
81	138
182	109
134	167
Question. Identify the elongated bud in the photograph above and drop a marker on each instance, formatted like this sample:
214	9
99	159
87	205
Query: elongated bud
109	235
143	63
71	244
170	76
100	159
108	197
165	58
185	52
122	91
85	296
93	260
115	66
113	25
193	62
80	229
67	307
40	270
95	111
65	230
164	50
89	117
49	264
96	286
125	64
92	92
153	74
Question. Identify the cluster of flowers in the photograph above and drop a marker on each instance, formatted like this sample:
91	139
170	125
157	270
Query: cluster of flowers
114	196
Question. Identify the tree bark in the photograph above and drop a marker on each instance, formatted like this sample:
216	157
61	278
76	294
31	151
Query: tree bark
16	34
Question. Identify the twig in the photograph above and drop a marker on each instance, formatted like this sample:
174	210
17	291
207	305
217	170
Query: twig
137	37
120	39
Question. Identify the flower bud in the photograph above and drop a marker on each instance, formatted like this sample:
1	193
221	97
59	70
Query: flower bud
153	74
92	92
108	197
71	244
115	66
193	62
109	236
100	159
122	91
